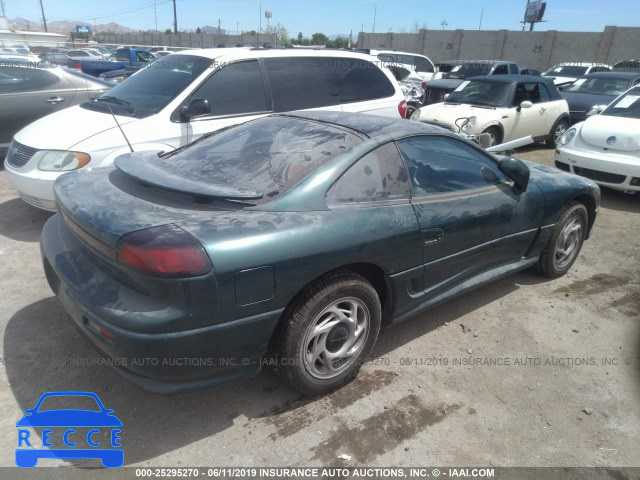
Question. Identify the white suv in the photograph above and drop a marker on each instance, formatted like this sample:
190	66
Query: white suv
186	94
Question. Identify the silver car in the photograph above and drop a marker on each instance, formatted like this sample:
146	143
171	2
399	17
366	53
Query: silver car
31	89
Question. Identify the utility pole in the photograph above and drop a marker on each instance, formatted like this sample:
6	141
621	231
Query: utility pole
260	30
175	18
44	20
155	14
219	32
481	14
444	23
237	25
2	3
375	13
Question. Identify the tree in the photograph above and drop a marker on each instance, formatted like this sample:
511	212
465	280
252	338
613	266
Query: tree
319	39
198	30
280	31
168	30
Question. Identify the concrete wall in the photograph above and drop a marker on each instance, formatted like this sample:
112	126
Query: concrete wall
530	49
191	40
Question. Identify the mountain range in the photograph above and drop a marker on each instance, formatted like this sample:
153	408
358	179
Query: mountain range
67	26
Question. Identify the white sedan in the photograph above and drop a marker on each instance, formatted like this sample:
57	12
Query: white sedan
506	107
606	147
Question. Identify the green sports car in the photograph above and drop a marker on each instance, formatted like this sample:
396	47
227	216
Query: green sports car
289	240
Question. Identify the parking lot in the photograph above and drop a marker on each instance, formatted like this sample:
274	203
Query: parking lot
524	372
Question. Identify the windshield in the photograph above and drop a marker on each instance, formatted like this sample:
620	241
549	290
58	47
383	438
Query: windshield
269	155
627	105
599	86
484	93
151	89
566	71
469	70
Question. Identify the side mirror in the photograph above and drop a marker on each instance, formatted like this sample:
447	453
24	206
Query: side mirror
516	170
596	110
197	107
525	104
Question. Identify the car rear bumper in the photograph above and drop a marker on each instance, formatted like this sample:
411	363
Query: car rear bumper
164	361
620	172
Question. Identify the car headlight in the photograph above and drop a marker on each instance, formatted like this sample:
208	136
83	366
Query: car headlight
568	136
61	160
416	115
470	124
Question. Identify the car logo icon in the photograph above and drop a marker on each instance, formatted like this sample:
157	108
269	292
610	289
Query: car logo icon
611	140
77	444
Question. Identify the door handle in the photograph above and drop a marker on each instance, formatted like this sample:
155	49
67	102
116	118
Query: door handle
55	100
432	235
542	109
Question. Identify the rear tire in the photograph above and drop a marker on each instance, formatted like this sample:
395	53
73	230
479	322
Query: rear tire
327	333
565	243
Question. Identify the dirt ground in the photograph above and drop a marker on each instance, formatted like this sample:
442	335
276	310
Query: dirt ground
523	372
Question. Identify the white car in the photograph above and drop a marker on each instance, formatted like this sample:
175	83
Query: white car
506	107
423	65
606	147
182	96
565	73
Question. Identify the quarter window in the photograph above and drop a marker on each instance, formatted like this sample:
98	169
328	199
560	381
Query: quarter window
439	165
299	83
377	177
234	89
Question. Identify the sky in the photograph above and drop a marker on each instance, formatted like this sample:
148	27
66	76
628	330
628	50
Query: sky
334	16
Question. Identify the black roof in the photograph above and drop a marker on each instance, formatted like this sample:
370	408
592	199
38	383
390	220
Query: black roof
553	90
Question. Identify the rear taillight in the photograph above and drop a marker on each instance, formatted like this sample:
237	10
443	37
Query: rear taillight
424	85
78	66
402	109
166	251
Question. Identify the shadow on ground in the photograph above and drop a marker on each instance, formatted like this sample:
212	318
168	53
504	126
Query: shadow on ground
20	221
40	342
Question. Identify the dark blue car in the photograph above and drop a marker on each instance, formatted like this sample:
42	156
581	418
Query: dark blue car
69	419
596	89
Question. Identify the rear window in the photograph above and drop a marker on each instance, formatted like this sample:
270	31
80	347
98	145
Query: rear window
310	82
269	155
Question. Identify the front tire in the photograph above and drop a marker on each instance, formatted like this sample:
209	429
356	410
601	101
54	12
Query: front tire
556	133
327	333
565	242
494	135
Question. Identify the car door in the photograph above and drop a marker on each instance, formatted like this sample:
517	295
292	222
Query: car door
235	93
471	218
27	94
528	121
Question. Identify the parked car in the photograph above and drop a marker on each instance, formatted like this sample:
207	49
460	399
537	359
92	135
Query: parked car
628	64
563	74
29	91
530	71
606	147
185	95
82	54
437	90
506	107
422	64
596	90
300	232
62	60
